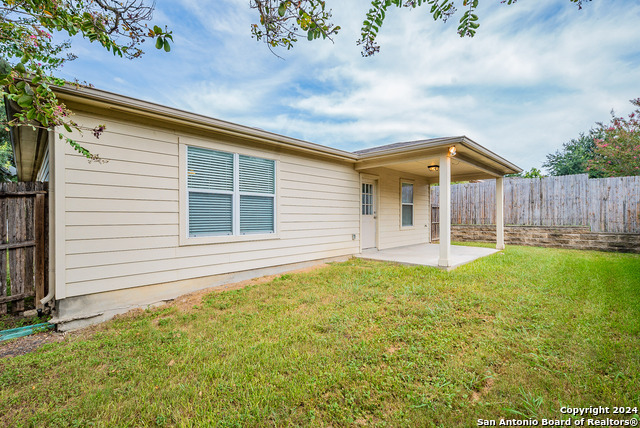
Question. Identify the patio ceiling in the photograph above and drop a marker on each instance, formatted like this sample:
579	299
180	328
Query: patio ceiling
29	145
471	162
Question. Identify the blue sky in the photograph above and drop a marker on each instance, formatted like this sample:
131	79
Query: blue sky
536	75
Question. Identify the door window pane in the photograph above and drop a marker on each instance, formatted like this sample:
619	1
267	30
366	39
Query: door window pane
367	199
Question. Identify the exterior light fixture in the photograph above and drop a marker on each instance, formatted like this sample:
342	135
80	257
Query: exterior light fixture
452	151
433	167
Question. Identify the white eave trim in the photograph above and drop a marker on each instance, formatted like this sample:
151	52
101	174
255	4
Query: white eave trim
116	102
441	143
125	104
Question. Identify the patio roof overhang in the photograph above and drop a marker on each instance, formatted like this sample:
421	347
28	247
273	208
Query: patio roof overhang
471	161
29	144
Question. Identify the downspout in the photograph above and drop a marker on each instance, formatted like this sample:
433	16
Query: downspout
52	220
48	297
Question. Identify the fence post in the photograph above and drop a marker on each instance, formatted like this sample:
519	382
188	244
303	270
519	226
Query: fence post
3	253
500	213
40	255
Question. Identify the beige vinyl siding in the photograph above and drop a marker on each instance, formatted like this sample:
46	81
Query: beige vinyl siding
43	172
123	216
391	234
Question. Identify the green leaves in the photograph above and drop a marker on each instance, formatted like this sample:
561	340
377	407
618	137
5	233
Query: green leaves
25	101
440	9
468	22
29	52
19	67
276	29
280	26
162	42
369	31
5	67
617	150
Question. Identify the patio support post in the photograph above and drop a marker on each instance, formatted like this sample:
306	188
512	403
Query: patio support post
500	213
445	211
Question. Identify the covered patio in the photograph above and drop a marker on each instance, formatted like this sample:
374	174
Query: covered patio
439	161
427	255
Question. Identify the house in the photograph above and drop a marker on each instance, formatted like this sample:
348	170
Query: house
187	202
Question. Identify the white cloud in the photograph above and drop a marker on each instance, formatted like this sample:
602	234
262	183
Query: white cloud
536	75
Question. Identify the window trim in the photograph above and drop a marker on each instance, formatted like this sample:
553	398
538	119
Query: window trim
413	204
183	194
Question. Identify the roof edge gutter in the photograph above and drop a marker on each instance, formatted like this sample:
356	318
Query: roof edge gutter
125	104
481	150
434	143
116	102
438	142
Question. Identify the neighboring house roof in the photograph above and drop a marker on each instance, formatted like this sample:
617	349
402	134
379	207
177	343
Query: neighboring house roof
400	153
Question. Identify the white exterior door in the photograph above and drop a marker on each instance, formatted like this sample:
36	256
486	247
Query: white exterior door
369	215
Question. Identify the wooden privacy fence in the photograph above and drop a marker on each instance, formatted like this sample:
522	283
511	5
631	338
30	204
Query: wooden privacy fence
23	243
605	204
435	222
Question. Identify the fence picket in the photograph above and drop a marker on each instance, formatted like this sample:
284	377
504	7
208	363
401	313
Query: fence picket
18	222
605	204
3	255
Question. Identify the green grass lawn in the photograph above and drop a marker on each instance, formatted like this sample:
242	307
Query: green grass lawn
518	334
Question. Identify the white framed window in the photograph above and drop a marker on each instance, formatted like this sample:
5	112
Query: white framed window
229	193
406	204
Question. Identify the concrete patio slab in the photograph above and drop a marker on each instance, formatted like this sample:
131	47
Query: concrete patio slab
426	255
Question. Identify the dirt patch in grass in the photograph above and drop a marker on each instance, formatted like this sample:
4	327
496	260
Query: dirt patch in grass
484	390
392	349
26	344
186	302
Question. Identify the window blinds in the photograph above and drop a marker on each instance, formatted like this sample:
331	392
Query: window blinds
218	182
256	214
256	175
407	204
209	169
210	214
